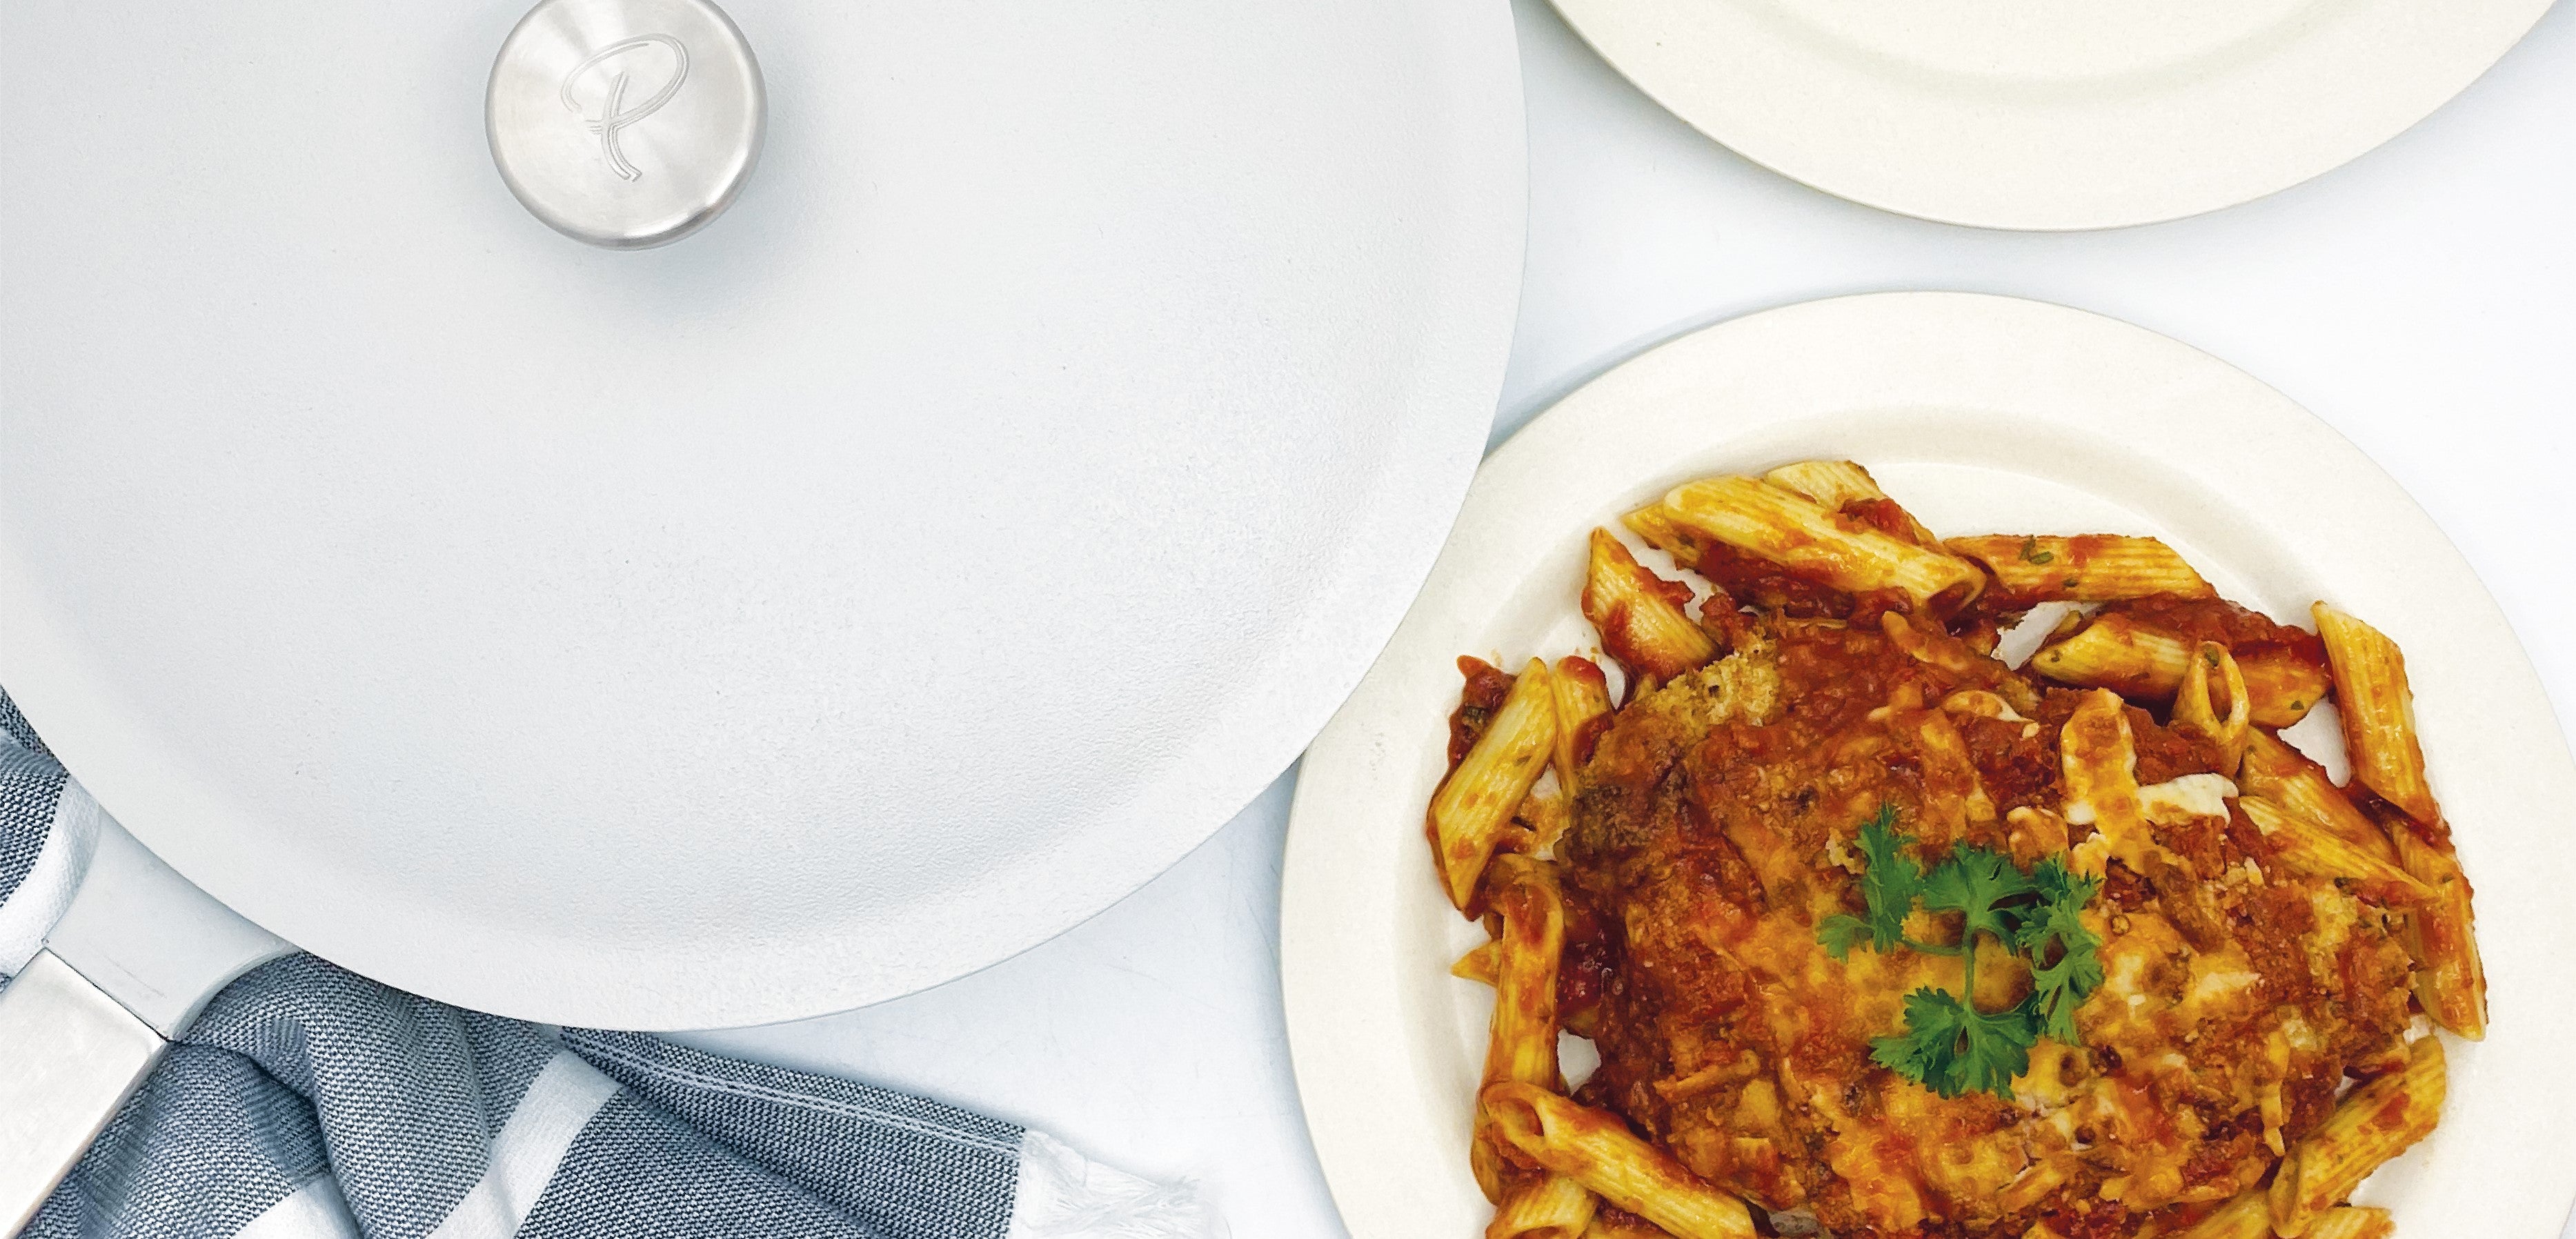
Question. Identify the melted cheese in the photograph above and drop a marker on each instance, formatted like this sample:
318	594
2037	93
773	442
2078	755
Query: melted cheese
2221	986
1721	959
2179	800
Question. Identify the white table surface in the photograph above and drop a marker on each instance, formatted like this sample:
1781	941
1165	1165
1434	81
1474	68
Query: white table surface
2422	300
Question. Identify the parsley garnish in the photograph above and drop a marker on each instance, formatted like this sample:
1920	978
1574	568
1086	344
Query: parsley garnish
2031	554
1949	1046
1889	884
2064	965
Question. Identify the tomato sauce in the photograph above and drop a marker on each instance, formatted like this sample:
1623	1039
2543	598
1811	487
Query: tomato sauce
1717	827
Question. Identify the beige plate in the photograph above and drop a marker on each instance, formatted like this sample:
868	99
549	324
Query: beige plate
2071	114
1979	413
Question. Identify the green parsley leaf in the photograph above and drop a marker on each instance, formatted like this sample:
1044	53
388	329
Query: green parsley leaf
1889	883
2065	963
1840	933
1948	1045
2031	554
2058	884
1951	1047
1976	883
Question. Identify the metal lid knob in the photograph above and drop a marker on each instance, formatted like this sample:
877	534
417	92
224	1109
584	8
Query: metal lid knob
625	123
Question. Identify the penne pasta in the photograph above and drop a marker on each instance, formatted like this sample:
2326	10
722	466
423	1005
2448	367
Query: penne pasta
1476	801
1815	544
1522	1046
1480	964
1663	533
1621	1224
1831	484
2120	654
2348	1222
1521	1038
2378	713
1840	486
2283	775
2084	568
2450	979
2196	714
1597	1150
1543	1206
1640	615
2311	848
2372	1123
1582	710
2145	663
2248	1216
2374	1063
2282	687
1485	1162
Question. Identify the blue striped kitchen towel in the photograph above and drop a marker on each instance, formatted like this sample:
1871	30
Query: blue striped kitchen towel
309	1101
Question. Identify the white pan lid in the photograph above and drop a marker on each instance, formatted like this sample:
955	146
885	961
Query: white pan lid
849	593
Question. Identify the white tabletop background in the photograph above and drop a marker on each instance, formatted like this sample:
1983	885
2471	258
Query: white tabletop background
2422	300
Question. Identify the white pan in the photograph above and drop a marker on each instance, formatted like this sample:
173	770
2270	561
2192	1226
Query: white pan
1034	418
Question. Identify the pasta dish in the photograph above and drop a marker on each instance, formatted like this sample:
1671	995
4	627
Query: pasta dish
1918	887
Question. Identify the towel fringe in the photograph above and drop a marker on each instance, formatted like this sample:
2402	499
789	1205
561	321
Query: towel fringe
1063	1195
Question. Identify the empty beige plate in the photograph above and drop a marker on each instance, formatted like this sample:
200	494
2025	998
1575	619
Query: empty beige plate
2073	114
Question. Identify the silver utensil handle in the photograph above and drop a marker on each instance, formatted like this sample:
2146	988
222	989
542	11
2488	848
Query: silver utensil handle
73	1056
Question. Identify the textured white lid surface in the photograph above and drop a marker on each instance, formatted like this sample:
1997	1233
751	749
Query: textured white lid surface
858	591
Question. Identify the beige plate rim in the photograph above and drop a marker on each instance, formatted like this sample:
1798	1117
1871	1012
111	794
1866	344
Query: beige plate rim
2003	130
